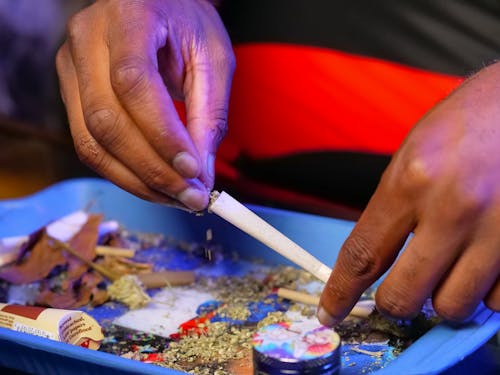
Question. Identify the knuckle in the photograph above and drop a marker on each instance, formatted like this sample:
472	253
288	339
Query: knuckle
89	153
129	76
215	121
219	60
127	9
461	206
219	125
469	202
76	27
121	7
395	302
416	175
103	124
156	178
359	259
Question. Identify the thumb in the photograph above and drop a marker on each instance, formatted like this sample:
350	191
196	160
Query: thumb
206	90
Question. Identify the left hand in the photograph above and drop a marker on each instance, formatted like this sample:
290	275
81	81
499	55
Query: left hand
120	69
443	185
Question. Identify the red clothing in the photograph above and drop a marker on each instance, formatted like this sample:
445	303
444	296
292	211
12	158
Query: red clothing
289	99
324	92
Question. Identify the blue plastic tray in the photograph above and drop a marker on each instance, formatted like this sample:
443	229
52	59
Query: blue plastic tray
439	349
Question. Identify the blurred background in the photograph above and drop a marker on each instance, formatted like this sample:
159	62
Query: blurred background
392	60
36	149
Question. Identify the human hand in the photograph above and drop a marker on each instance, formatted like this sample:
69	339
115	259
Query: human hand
120	68
443	185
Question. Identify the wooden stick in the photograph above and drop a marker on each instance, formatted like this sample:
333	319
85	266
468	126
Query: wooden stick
361	310
166	278
115	251
237	214
102	270
296	296
149	280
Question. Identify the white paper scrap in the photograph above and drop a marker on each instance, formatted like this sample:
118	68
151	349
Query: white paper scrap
173	307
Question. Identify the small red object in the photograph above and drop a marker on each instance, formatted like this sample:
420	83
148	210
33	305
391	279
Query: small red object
192	326
85	344
152	358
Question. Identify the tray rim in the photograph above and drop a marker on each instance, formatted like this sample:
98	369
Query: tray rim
456	342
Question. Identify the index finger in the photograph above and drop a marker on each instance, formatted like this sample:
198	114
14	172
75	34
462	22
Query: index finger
367	253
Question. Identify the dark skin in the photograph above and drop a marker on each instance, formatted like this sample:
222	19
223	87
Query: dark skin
443	186
126	60
120	68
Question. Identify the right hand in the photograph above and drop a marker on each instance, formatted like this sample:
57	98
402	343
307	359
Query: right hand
120	68
443	186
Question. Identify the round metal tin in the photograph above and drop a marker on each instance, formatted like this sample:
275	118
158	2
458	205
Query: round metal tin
303	347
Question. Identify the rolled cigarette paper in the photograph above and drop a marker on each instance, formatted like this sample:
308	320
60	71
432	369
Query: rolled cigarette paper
362	309
115	251
240	216
165	278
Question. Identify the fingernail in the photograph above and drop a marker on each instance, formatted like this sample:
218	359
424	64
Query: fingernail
186	165
325	318
194	198
211	166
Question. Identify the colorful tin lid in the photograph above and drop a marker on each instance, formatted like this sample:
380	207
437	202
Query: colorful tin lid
304	347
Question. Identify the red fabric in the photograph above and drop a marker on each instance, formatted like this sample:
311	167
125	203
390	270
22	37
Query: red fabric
290	98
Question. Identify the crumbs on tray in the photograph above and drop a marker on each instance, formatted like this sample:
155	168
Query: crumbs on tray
202	310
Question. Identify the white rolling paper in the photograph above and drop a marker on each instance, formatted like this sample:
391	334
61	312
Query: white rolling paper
240	216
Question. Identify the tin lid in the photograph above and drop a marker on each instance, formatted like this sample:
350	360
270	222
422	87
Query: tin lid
303	346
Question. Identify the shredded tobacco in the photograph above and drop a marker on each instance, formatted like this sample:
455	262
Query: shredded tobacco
128	289
200	353
221	345
272	318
